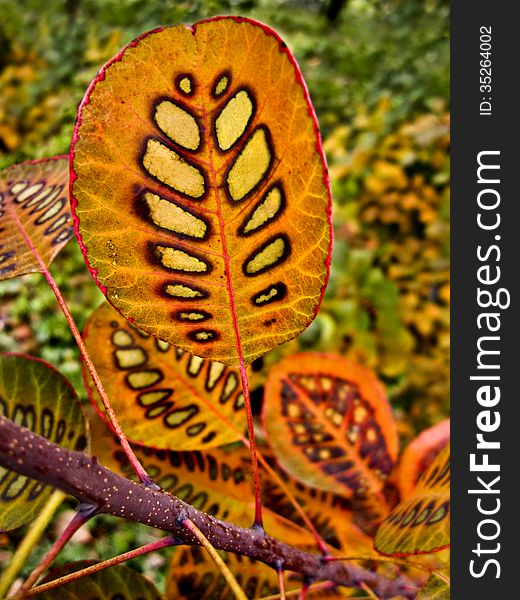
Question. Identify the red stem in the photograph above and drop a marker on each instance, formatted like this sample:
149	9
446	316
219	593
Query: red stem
77	521
134	461
258	522
141	473
252	444
116	560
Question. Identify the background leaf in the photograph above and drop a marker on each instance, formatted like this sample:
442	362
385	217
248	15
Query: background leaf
330	424
115	583
192	575
193	222
35	395
419	455
421	523
164	397
34	215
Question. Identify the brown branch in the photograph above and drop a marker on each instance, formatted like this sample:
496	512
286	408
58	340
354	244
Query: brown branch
84	478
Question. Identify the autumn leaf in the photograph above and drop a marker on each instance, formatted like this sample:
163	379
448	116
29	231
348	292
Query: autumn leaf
33	394
164	397
421	523
419	454
35	221
201	196
330	425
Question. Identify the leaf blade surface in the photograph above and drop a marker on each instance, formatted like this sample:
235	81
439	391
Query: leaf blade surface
35	395
209	224
35	220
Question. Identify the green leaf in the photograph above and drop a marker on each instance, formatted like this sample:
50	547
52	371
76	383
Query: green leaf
421	523
115	583
35	221
35	395
164	397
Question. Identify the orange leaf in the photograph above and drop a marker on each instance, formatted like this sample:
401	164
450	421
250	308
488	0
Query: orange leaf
201	196
419	455
35	220
330	424
165	397
421	523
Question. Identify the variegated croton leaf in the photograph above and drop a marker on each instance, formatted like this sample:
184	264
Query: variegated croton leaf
200	191
421	523
35	395
164	397
35	221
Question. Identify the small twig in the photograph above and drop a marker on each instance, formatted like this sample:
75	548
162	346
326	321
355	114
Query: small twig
217	559
281	581
258	523
111	562
134	461
83	514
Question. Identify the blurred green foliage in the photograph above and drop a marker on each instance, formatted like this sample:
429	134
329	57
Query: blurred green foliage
378	73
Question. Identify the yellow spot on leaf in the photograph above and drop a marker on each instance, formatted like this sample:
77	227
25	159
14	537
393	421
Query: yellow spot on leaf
122	338
29	192
371	435
179	260
18	187
214	372
167	215
265	211
182	291
229	388
185	85
148	398
176	418
250	166
178	125
50	212
233	120
294	410
192	316
222	85
195	365
131	357
171	169
359	414
203	336
142	379
266	297
267	257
